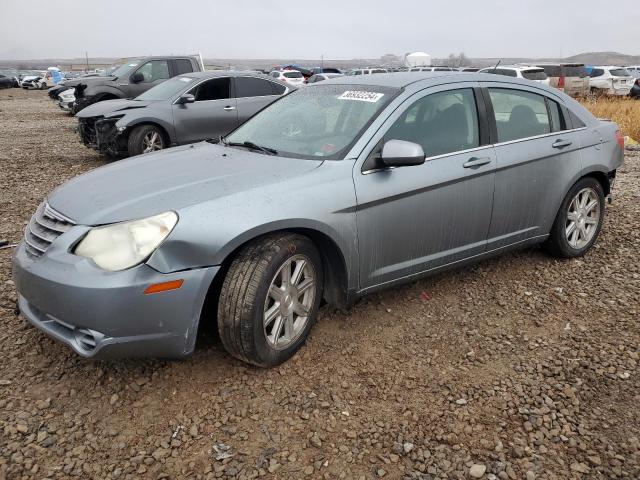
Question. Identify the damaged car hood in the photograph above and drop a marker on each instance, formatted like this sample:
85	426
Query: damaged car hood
108	107
170	180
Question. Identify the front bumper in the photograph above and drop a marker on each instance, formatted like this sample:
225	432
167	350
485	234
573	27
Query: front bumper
102	135
102	314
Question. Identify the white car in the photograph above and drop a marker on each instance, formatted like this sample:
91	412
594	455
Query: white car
66	99
610	80
367	71
634	70
290	77
535	74
432	69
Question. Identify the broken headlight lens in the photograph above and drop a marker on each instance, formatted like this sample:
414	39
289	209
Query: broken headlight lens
127	244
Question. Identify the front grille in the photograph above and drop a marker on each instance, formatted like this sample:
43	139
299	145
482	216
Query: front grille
44	227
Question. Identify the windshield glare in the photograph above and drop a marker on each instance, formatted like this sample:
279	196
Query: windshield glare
125	68
167	89
318	122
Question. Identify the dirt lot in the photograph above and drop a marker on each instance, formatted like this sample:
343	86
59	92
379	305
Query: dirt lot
522	367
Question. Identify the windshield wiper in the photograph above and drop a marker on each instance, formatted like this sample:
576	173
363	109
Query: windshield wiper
251	146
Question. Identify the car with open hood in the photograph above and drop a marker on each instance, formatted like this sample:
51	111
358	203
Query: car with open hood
336	190
184	109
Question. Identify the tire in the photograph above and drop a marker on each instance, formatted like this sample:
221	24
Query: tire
565	245
136	144
245	299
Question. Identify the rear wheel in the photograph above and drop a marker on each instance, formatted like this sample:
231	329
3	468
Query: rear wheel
579	220
269	299
145	139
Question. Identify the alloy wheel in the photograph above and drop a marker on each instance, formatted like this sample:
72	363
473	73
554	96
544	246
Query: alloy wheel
151	142
583	218
289	301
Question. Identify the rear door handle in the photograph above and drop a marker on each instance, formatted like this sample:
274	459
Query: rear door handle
229	108
476	162
561	143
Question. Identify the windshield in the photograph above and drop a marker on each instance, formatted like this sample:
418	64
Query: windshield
534	74
292	74
124	69
620	72
321	121
167	89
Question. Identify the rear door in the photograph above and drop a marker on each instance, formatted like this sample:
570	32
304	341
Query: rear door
211	115
537	156
413	219
253	94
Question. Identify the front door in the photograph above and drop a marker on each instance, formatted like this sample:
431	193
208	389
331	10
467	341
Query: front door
213	113
413	219
153	72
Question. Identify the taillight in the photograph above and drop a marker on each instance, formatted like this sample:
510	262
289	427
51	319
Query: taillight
561	82
620	139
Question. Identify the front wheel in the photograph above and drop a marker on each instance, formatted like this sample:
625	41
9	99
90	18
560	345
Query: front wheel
270	298
145	139
579	220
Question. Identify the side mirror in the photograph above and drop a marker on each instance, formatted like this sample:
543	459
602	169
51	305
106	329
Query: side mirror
400	153
137	78
186	98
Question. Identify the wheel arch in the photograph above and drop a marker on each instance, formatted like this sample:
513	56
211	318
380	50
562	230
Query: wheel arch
336	290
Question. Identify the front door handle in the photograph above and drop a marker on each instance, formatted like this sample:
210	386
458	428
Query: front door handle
229	108
561	143
476	162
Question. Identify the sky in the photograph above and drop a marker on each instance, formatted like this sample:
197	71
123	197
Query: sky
307	29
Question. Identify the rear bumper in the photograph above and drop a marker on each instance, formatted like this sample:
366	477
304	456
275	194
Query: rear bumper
103	314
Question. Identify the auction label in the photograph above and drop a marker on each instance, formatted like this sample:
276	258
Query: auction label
361	96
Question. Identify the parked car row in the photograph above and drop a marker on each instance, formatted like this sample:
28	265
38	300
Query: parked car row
338	189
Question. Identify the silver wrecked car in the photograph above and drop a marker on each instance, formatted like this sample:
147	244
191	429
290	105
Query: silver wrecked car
332	192
184	109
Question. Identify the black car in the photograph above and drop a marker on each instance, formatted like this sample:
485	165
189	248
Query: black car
635	90
130	79
8	82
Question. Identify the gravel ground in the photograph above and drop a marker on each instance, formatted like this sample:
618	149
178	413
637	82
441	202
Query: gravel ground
522	367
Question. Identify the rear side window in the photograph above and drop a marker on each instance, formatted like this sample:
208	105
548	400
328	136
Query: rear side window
619	72
551	70
574	71
557	119
519	114
252	87
215	89
534	74
183	66
442	122
575	120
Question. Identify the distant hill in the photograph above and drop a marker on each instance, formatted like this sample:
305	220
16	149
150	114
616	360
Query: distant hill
388	60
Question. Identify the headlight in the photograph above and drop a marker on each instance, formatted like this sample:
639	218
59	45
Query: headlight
124	245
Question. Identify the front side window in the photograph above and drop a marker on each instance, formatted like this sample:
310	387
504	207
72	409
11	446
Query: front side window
252	87
154	70
442	122
519	114
319	122
214	89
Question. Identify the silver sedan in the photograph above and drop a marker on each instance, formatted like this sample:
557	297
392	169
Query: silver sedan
332	192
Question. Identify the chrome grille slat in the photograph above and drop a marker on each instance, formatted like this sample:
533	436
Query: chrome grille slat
44	227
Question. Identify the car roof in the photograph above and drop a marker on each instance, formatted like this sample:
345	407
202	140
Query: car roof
427	79
225	73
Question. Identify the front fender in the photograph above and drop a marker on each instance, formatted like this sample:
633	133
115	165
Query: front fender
133	118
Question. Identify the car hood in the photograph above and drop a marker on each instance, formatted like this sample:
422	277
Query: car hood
170	180
108	107
89	80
